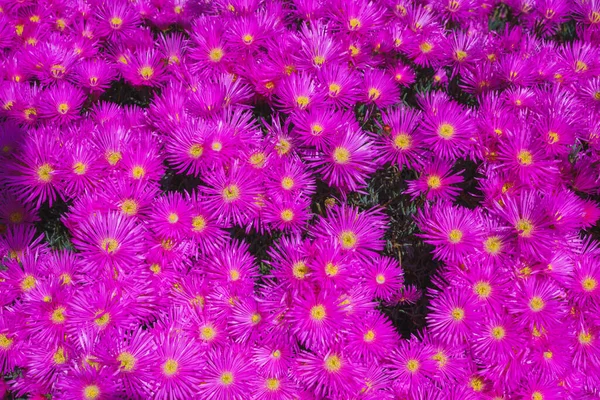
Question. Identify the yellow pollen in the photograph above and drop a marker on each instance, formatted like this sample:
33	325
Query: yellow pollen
482	289
589	284
594	17
196	151
354	50
369	336
116	22
129	207
441	358
319	60
374	93
525	158
113	157
226	378
170	367
270	85
198	223
29	112
15	217
79	168
283	146
402	141
341	155
258	159
537	395
216	54
316	129
455	236
47	299
59	357
380	279
318	313
524	228
355	23
548	355
58	315
217	146
446	131
178	9
109	245
173	218
333	363
5	341
536	303
287	183
553	137
492	245
247	38
289	69
155	268
127	361
299	269
208	333
426	47
102	320
580	66
460	55
287	215
334	89
585	338
91	392
276	354
348	240
234	274
498	333
458	314
231	193
255	318
63	108
272	384
412	365
597	96
138	172
146	72
19	29
28	283
331	269
434	182
44	173
302	101
476	384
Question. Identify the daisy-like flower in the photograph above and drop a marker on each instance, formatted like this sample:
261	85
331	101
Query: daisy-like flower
176	365
341	85
538	304
372	338
348	161
287	215
290	179
227	375
329	373
315	319
318	126
298	92
496	337
452	315
333	268
435	181
402	141
453	230
411	363
379	88
317	47
289	259
143	161
61	103
109	240
83	383
94	75
170	216
116	20
384	277
233	266
12	342
144	68
353	231
185	149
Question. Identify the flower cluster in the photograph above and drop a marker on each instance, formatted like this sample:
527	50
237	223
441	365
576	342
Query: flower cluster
172	130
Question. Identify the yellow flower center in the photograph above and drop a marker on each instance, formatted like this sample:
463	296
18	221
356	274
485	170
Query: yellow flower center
16	217
492	245
216	54
248	38
5	341
116	22
283	146
380	279
28	283
138	172
374	93
79	168
482	289
173	218
426	47
525	158
102	320
354	23
155	268
585	338
299	269
524	227
460	55
146	72
287	215
580	66
341	155
59	357
536	303
553	137
258	159
455	236
226	378
446	131
255	318
91	392
477	384
127	361
402	141
109	245
198	223
369	336
272	384
287	183
58	315
217	146
597	95
319	60
334	89
537	395
458	314
498	332
317	313
63	108
234	274
348	240
441	358
113	157
196	151
412	365
333	363
231	193
302	101
208	333
434	181
548	355
331	269
44	173
170	367
276	354
129	207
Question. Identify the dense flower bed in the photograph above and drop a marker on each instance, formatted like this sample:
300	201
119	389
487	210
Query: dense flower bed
234	184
